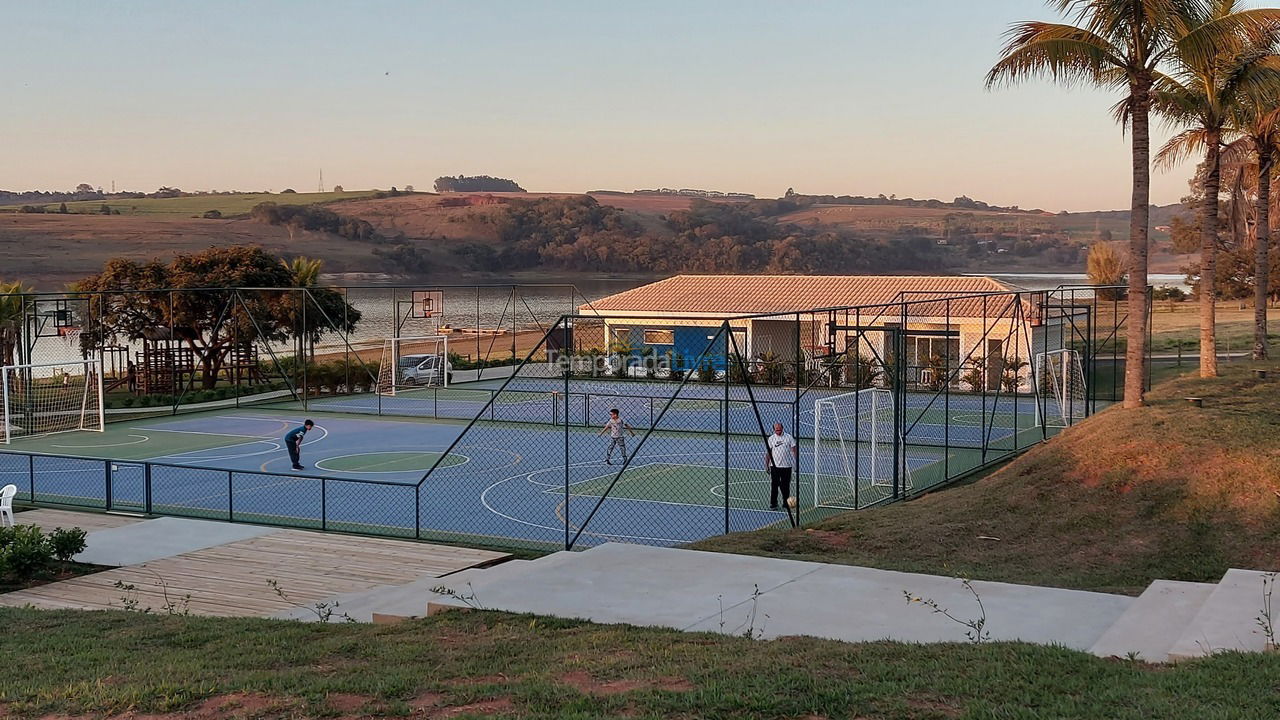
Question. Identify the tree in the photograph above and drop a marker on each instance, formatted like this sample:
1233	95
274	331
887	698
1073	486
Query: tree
408	188
1121	45
1106	266
1201	93
11	301
204	309
84	188
62	208
338	189
1258	123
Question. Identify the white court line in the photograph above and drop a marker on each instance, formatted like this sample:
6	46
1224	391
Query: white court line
465	459
141	439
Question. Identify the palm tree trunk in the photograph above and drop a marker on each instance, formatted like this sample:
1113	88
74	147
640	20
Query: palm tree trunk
1261	269
1208	258
1135	362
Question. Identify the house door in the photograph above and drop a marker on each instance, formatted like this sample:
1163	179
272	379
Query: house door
995	363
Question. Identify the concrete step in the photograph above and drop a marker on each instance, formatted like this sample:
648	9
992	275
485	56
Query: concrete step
1228	620
507	576
1144	630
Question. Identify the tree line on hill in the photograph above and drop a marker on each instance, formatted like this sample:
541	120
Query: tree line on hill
579	234
475	183
961	203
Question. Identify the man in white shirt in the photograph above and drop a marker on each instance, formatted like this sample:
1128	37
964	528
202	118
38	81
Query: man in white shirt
780	459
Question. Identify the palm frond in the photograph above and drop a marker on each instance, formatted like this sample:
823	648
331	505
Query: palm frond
1064	53
1180	147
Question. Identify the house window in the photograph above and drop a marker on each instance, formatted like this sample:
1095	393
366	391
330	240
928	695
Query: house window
928	350
621	340
659	337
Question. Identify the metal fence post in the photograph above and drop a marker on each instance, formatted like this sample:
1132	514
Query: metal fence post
725	427
324	507
146	482
231	516
106	468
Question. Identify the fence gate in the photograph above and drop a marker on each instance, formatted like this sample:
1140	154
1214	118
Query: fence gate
127	486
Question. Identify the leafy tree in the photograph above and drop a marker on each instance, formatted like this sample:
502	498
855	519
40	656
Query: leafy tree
84	188
206	314
1122	45
1106	266
62	209
338	188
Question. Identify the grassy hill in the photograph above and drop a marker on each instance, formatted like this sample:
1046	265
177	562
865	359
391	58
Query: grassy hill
197	205
1167	491
483	664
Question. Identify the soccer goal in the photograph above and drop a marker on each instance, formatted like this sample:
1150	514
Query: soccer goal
1061	387
414	362
51	398
853	449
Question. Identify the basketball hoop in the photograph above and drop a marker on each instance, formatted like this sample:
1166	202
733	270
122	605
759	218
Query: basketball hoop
70	337
428	303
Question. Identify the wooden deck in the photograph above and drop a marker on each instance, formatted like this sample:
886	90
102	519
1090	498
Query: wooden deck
47	519
231	580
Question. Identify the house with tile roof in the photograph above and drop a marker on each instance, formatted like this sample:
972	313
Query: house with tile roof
952	318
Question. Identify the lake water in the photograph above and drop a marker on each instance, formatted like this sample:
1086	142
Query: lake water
527	306
1049	281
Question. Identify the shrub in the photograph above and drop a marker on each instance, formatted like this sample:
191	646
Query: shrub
26	554
707	372
67	543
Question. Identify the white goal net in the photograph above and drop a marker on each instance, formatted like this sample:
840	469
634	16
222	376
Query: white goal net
854	460
1061	387
51	398
414	362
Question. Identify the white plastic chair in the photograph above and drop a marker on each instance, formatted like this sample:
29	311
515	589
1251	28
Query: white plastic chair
6	504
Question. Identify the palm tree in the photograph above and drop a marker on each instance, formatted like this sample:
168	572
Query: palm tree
1121	45
11	302
1258	124
1203	93
306	274
305	271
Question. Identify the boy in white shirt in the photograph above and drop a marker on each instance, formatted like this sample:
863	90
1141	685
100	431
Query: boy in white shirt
614	426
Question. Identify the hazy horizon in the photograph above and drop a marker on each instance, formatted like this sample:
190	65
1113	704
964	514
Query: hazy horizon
827	98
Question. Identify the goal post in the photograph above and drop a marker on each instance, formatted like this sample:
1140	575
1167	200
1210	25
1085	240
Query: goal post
48	398
414	362
1060	387
854	442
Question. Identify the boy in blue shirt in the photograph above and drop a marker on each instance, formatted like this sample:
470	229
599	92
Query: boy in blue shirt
293	442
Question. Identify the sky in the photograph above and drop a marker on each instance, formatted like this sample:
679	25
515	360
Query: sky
859	97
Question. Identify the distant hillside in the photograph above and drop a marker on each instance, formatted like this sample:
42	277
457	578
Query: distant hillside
494	232
228	205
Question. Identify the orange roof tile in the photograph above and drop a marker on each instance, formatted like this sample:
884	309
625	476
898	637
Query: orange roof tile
751	294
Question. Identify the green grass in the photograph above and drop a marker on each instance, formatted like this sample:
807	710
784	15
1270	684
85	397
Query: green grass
1167	491
527	667
196	205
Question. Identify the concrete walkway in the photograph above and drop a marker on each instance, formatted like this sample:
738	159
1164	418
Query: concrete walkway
768	597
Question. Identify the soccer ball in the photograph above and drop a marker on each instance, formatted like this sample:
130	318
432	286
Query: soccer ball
791	501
